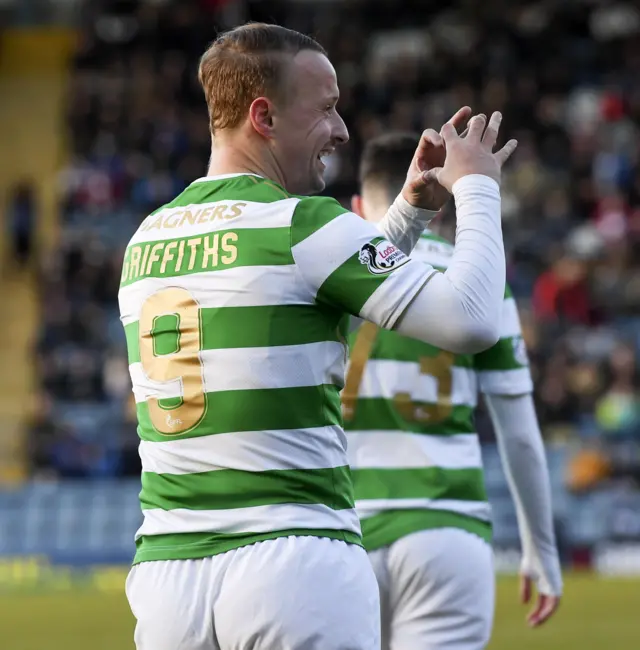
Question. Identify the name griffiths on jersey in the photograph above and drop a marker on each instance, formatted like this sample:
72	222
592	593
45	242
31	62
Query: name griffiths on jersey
179	256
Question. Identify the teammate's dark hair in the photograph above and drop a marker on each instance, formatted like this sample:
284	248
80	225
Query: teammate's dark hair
386	159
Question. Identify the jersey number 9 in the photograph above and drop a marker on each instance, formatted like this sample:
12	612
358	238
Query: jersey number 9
170	343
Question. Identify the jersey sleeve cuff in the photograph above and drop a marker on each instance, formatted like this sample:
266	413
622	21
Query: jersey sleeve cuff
475	184
412	213
506	382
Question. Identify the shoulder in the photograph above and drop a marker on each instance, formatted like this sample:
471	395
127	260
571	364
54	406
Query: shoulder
245	187
312	213
430	236
434	250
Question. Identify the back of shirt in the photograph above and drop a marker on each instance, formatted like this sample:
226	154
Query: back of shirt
233	298
409	415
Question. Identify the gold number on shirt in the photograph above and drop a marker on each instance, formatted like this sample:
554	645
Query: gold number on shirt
173	315
439	367
359	356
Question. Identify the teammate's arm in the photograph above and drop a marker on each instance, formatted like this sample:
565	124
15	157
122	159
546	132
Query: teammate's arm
348	265
522	452
505	379
403	224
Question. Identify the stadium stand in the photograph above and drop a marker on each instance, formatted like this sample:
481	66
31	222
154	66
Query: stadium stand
564	75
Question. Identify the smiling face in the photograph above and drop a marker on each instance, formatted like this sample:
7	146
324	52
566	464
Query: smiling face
307	126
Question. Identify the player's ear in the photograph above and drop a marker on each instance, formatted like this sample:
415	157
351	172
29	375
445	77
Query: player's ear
261	116
356	205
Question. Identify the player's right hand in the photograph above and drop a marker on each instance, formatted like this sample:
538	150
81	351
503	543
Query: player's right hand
545	606
472	152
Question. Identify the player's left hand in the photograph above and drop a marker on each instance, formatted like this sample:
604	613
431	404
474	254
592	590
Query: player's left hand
545	606
422	189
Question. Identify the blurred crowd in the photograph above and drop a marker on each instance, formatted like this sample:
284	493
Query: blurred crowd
566	76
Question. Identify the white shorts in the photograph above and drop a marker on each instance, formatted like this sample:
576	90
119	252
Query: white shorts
437	591
291	593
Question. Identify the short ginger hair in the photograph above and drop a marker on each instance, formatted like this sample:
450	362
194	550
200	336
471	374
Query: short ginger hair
244	63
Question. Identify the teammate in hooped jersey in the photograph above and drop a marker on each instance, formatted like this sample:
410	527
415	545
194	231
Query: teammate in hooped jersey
415	458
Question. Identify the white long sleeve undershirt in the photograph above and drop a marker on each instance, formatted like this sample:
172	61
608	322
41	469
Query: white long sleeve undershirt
457	310
522	452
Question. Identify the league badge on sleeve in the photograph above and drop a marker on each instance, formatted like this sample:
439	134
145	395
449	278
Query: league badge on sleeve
520	351
382	257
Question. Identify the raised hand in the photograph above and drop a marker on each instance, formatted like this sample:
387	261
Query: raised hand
422	188
473	153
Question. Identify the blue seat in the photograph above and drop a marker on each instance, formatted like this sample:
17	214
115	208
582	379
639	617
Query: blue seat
89	521
505	523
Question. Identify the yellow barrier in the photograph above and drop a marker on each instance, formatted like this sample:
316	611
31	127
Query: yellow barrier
39	51
37	573
34	66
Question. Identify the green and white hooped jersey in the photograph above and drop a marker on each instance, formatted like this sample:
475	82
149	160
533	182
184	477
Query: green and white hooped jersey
409	416
234	299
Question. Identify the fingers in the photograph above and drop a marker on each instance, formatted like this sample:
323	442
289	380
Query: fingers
448	132
461	116
545	605
505	153
533	617
432	138
465	133
431	175
545	608
429	140
476	127
525	589
491	133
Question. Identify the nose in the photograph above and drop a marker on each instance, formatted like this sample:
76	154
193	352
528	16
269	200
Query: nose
340	131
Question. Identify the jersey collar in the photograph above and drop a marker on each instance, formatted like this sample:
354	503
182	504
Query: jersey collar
222	177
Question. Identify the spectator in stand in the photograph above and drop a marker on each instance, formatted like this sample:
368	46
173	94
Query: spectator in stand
562	293
617	411
21	214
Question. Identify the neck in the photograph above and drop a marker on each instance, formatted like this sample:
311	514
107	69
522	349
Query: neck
240	154
375	202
